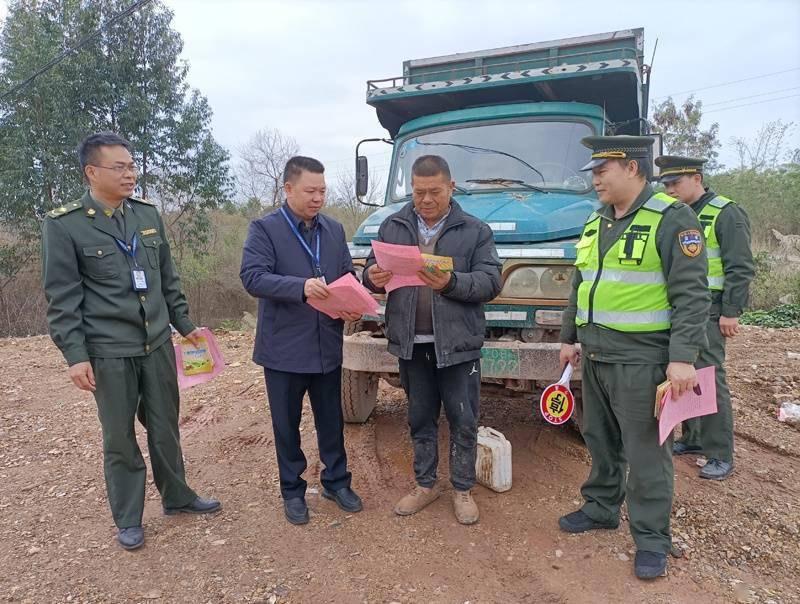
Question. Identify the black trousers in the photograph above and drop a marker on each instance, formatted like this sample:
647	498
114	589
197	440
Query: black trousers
428	387
285	391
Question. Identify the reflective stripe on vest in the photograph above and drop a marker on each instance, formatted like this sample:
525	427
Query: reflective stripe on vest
708	218
626	289
625	276
635	318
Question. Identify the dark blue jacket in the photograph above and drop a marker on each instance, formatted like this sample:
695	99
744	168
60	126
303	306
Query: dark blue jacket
291	335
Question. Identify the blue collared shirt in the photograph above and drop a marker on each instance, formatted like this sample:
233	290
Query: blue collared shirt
426	233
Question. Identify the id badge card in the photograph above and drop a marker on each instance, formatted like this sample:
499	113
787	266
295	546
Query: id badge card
139	280
322	278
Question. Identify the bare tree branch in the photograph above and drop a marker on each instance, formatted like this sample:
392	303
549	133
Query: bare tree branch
260	169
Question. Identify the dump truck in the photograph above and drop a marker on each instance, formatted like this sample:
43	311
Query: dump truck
509	122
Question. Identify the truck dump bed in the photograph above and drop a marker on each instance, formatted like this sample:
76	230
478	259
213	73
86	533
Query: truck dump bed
603	69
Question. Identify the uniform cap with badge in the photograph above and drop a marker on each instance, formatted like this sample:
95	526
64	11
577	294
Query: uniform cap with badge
674	167
616	147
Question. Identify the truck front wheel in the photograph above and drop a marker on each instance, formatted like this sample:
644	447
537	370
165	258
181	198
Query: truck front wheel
359	395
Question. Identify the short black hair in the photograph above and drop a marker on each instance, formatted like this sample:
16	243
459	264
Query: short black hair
300	163
431	165
87	150
642	165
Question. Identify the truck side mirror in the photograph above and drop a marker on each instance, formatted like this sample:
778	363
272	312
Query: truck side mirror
658	151
362	176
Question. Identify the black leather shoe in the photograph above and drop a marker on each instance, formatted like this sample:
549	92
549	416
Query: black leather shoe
345	498
295	510
578	522
679	448
198	506
649	565
131	537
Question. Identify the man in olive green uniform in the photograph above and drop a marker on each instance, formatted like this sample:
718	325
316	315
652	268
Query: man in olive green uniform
112	292
638	307
730	270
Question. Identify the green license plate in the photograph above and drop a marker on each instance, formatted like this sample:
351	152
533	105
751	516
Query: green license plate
500	363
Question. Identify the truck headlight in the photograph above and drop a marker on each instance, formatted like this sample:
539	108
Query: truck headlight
549	282
522	283
556	282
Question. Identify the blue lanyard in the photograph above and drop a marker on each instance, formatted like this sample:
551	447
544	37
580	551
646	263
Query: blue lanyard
132	251
314	257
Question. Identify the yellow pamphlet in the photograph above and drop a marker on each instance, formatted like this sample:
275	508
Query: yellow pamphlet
660	392
443	263
196	360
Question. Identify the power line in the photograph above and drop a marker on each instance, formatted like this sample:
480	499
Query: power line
756	77
780	98
80	44
752	96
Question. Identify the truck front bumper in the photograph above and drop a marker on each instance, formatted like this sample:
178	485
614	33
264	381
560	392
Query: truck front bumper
499	360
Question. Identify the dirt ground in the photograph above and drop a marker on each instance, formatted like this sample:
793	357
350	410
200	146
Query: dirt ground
740	537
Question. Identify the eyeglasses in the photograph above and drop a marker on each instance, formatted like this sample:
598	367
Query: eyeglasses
132	168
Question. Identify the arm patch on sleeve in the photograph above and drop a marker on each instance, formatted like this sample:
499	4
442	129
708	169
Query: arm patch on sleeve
691	242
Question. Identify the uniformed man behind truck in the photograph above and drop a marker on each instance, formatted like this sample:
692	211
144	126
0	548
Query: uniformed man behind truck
726	228
112	292
638	307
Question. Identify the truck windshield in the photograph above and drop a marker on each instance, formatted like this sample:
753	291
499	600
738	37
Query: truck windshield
527	155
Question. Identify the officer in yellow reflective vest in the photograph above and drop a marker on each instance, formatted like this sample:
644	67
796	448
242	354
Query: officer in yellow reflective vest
726	228
638	307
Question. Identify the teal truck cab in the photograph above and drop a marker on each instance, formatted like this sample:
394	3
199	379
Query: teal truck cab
509	123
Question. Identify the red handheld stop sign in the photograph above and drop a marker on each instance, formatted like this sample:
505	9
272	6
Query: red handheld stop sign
557	404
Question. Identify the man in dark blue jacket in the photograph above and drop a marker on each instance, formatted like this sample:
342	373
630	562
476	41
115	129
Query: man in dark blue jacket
289	256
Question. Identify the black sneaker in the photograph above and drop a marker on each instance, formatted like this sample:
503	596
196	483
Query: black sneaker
345	498
579	522
295	510
649	565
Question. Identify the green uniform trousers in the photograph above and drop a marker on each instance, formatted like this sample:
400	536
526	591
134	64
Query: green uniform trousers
148	384
714	433
621	434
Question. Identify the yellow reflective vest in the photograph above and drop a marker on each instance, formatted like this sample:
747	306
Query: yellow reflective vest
708	219
626	289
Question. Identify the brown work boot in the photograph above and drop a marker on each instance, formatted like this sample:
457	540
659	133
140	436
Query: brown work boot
465	507
415	501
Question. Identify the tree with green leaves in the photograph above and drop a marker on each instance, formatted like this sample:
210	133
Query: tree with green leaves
129	79
680	127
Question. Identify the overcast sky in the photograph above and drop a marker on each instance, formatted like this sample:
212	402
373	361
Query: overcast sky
301	66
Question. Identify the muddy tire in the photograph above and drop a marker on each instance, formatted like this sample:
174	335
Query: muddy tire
359	395
351	327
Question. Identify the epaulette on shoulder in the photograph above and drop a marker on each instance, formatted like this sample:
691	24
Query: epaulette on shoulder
65	209
660	202
144	201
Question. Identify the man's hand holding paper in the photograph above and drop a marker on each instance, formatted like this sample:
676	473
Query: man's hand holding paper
683	377
699	400
435	278
378	276
408	267
347	299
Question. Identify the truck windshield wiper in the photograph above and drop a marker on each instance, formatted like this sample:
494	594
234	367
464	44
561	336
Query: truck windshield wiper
502	181
472	149
458	188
